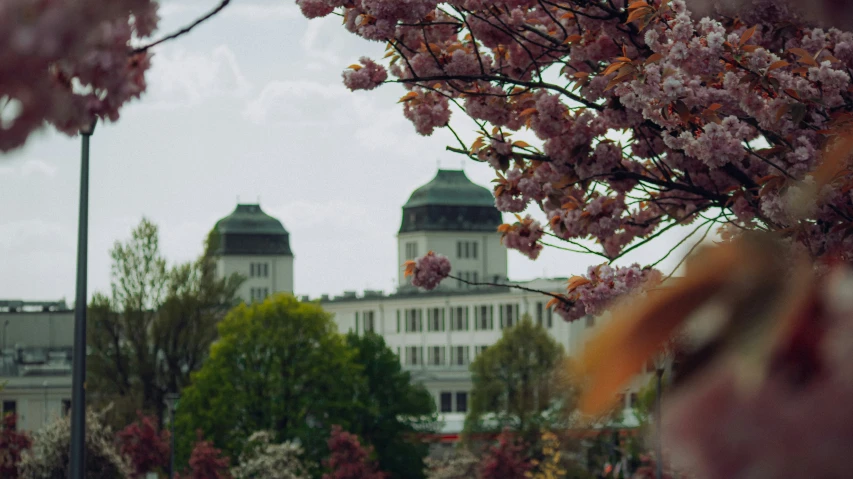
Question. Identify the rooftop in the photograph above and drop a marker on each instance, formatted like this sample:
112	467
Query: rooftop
451	188
250	219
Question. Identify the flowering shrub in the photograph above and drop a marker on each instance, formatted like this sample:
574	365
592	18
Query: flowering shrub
349	459
427	271
48	457
206	462
12	445
622	119
505	460
264	460
147	448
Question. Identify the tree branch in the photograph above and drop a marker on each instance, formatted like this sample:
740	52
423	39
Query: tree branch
185	30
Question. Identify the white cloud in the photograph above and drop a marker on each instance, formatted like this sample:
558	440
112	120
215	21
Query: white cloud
31	167
180	78
300	102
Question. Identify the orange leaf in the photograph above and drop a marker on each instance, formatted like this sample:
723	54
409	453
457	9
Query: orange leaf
409	268
638	330
715	106
653	58
613	67
521	144
408	97
527	111
573	39
576	281
747	35
779	64
355	67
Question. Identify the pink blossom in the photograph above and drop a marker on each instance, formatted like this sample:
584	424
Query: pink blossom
428	270
370	76
523	236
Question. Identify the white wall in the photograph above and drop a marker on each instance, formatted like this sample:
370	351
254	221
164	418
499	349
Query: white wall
38	399
491	257
38	330
279	280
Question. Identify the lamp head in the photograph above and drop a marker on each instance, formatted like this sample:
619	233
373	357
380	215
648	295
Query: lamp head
87	130
171	399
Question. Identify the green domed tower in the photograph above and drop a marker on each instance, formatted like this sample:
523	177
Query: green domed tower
255	245
455	217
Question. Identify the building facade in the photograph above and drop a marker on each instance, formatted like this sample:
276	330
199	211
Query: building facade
35	361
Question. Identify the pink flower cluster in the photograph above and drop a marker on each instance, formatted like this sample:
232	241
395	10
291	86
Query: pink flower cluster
66	62
637	116
604	283
368	77
428	270
523	236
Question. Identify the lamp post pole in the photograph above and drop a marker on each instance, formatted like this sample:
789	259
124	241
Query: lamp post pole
78	378
171	400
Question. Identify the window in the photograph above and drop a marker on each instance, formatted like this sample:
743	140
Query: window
436	319
259	294
414	321
369	322
509	315
549	316
356	322
590	321
436	355
414	355
480	350
411	250
398	320
66	407
466	249
459	355
10	407
459	318
539	313
446	402
461	401
634	398
259	270
483	320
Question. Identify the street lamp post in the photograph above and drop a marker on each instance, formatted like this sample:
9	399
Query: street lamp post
171	400
77	464
661	361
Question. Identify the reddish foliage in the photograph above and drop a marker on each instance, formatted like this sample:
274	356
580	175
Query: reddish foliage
206	462
147	448
12	444
506	460
349	459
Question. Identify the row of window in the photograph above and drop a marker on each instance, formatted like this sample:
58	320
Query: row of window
437	355
259	270
446	401
464	249
259	294
412	320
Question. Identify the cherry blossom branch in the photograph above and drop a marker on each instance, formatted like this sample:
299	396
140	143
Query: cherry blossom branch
562	299
186	29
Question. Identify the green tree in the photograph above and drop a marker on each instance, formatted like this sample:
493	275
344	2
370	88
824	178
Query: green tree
392	409
514	382
280	366
155	328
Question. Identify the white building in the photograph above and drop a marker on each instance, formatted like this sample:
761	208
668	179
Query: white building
36	341
436	334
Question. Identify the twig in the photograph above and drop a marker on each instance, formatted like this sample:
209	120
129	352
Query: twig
184	30
514	286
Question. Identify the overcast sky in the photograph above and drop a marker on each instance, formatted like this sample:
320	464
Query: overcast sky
248	106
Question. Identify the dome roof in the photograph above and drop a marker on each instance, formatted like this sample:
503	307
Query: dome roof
451	188
450	202
250	231
250	219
